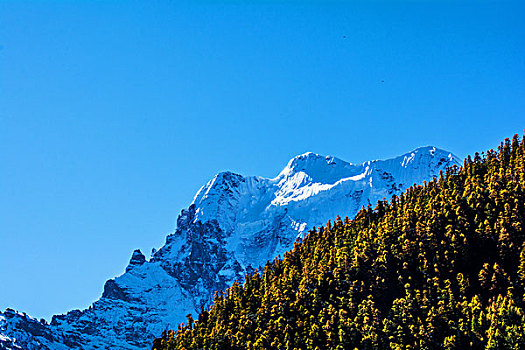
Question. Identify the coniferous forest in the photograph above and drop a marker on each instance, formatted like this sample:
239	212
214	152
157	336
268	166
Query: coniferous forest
440	267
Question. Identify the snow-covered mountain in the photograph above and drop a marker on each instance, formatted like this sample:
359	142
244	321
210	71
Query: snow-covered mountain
234	225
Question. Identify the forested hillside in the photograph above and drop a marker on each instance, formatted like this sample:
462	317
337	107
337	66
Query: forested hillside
440	267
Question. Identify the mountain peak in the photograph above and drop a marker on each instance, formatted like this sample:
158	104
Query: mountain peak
311	157
427	155
319	168
432	150
137	259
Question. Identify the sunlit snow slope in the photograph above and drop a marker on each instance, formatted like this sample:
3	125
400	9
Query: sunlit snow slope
234	225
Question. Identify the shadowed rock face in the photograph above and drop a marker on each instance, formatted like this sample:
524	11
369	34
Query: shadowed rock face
204	257
137	259
113	291
234	225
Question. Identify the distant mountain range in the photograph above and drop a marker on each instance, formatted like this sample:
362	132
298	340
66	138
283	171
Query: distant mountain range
234	225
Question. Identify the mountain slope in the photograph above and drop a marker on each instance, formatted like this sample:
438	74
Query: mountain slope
234	225
440	267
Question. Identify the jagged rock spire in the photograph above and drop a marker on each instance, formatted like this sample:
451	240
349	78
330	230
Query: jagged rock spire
137	259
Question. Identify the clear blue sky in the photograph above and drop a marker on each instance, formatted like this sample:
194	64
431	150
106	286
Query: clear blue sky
113	114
